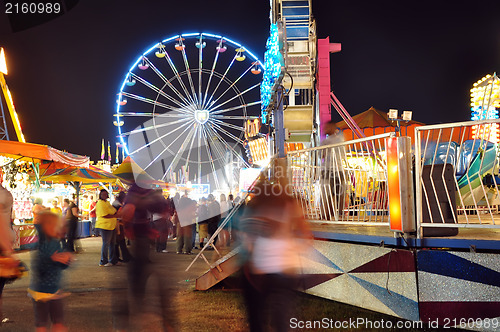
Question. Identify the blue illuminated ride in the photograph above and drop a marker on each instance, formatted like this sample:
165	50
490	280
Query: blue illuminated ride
273	62
182	105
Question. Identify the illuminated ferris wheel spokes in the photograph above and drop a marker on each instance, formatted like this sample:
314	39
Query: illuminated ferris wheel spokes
192	117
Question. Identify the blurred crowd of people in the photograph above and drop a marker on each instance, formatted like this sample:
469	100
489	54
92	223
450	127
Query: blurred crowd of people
269	227
187	222
201	220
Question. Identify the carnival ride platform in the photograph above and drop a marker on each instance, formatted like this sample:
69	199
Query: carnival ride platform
369	267
467	238
470	239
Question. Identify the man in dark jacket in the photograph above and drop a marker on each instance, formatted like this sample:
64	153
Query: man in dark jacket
214	213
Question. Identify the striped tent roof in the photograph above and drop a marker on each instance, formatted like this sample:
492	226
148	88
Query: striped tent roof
57	172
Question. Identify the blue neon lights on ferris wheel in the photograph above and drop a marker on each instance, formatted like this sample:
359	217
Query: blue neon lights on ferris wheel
150	49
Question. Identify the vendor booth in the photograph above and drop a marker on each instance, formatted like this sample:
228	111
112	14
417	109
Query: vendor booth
77	177
21	165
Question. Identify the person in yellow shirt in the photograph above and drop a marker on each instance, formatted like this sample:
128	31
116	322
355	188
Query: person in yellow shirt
85	207
106	223
55	208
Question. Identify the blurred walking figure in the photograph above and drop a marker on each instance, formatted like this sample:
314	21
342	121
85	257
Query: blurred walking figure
186	214
237	217
230	202
214	213
161	225
106	224
6	238
140	204
71	224
38	208
177	198
48	262
333	178
121	250
271	226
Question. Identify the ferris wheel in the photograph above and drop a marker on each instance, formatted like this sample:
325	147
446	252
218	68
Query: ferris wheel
183	106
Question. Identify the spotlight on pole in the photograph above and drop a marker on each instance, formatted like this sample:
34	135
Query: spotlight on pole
393	116
407	115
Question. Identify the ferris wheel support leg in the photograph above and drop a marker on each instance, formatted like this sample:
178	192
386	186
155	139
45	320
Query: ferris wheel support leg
3	130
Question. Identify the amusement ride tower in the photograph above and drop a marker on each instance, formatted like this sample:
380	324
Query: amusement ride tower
295	90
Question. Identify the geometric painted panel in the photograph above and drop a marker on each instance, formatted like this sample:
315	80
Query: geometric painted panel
458	285
370	277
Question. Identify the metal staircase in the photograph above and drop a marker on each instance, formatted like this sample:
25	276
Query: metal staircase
226	264
220	270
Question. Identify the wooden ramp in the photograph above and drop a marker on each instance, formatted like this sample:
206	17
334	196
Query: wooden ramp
220	270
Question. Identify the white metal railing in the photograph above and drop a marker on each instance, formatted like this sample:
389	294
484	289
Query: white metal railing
457	175
211	241
344	183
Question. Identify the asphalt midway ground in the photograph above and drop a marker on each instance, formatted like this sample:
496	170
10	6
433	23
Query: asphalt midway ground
92	288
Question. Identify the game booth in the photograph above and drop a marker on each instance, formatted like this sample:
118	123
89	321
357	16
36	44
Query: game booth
23	165
79	179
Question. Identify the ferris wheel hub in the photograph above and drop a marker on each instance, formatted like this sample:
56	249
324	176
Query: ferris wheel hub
201	116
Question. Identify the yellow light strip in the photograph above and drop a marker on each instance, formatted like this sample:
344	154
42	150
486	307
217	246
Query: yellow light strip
12	109
395	218
3	63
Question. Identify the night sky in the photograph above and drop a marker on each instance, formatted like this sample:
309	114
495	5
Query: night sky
421	56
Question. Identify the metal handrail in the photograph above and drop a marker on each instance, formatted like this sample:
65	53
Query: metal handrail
456	124
355	141
442	134
224	222
311	182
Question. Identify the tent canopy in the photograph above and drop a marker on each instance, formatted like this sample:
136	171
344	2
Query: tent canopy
373	118
58	172
37	153
129	171
77	176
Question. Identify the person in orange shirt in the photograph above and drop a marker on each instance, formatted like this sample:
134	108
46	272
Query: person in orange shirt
38	208
93	216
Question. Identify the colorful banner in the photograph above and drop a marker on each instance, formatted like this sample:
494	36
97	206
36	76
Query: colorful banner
109	152
117	160
102	149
